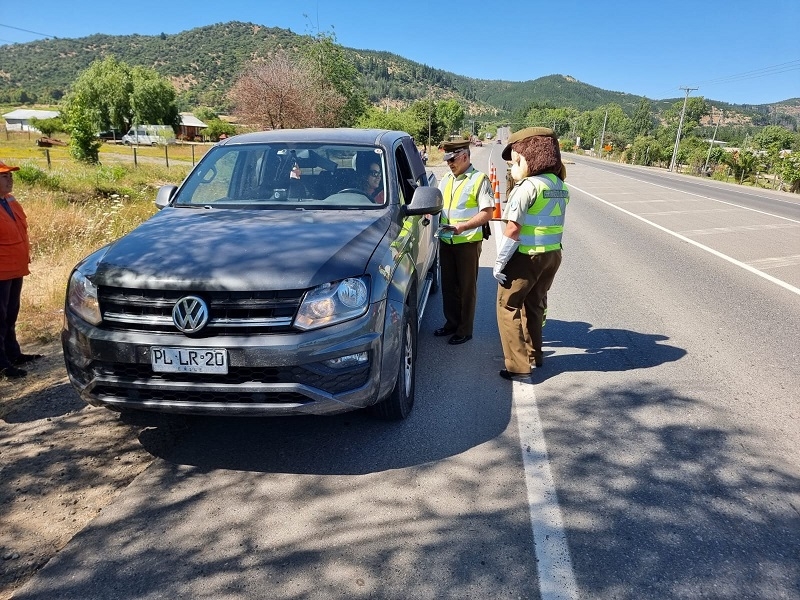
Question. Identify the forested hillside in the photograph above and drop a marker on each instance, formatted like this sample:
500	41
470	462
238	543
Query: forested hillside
203	62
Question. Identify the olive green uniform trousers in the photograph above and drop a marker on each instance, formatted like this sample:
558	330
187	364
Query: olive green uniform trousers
459	285
521	302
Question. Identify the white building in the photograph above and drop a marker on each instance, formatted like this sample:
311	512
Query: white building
19	120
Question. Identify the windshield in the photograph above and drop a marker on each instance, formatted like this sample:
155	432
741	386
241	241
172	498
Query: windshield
310	175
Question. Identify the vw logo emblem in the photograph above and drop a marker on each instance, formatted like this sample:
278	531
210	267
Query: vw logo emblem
190	314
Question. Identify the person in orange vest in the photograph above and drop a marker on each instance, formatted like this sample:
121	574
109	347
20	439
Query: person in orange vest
14	258
529	253
468	206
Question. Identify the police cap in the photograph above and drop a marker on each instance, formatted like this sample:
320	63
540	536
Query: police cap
454	148
526	133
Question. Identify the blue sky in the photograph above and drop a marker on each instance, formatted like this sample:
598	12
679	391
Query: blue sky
735	51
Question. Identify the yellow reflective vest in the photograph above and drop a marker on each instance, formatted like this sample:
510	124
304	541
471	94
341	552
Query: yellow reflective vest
544	222
461	203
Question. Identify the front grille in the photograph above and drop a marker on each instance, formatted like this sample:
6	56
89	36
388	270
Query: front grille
230	313
318	376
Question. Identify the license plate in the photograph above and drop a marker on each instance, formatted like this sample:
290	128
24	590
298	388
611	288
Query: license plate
189	360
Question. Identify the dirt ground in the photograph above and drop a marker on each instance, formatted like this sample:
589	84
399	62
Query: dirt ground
61	463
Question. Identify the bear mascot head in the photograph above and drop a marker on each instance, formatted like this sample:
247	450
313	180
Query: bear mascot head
534	151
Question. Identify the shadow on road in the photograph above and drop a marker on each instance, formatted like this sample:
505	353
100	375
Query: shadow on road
601	350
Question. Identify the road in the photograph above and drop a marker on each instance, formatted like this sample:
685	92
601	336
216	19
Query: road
655	456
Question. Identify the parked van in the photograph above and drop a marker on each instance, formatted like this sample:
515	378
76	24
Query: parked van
149	135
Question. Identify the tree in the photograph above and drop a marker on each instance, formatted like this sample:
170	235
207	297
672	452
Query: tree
559	120
773	137
642	121
693	152
153	99
334	72
451	114
789	170
424	112
646	150
48	126
617	126
83	144
696	108
216	127
115	96
282	93
391	119
743	163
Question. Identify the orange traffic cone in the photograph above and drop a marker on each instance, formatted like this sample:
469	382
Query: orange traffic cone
497	213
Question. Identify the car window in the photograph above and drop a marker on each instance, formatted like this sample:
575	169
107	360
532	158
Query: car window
281	176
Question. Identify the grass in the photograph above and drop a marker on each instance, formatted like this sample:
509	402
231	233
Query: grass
74	209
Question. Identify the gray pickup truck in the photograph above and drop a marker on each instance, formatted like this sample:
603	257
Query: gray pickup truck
286	275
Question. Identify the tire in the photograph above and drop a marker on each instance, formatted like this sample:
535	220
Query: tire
397	406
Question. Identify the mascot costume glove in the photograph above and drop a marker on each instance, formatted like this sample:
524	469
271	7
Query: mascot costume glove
504	254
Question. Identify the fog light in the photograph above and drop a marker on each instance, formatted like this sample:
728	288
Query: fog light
350	360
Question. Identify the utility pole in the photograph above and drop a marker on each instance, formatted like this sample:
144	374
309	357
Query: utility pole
603	134
680	126
713	138
430	110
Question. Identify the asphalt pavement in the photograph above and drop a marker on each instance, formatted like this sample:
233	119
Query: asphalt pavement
661	440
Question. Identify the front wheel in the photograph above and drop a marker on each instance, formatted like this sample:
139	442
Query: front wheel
398	404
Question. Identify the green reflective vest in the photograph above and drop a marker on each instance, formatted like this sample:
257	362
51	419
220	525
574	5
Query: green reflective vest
544	221
461	204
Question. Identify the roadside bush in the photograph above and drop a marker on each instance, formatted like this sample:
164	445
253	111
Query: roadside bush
31	174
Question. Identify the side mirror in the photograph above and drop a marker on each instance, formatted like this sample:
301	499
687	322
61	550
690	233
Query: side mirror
164	195
425	201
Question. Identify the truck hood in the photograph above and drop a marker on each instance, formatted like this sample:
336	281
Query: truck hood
234	249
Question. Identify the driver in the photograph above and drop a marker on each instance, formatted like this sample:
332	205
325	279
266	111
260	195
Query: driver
372	181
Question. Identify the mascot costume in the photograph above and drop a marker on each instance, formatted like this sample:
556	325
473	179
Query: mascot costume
529	253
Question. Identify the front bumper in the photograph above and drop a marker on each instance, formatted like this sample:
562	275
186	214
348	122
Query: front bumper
269	374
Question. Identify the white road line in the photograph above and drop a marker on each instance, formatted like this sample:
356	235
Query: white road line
742	190
666	187
554	565
716	253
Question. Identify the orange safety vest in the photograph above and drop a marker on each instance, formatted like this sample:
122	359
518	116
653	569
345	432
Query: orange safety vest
15	251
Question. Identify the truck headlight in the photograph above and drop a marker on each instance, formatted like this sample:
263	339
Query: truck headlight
82	298
332	303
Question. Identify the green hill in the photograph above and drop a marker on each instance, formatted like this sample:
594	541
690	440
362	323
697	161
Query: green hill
203	62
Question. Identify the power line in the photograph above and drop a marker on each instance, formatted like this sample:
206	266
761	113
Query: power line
763	72
29	31
792	65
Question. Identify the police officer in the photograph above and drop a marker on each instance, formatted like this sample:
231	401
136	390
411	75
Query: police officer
468	205
529	253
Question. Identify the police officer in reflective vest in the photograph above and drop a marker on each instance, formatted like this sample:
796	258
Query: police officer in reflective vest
529	253
468	205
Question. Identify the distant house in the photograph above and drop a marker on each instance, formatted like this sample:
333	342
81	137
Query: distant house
190	127
19	120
